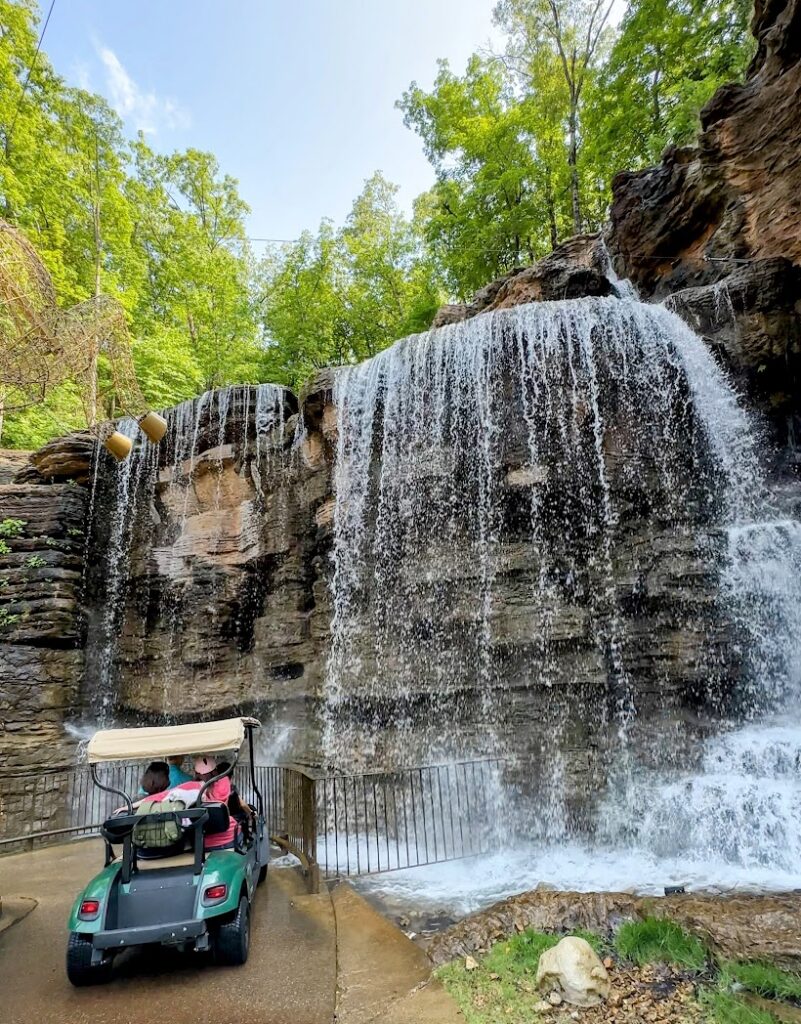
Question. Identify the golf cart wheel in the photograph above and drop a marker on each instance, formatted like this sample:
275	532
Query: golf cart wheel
262	874
80	969
232	943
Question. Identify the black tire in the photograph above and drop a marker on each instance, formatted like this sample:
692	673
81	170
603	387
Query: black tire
80	969
232	942
262	874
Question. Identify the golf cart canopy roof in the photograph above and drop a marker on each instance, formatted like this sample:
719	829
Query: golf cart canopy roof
165	741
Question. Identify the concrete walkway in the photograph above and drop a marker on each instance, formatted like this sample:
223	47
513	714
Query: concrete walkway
290	976
313	960
381	974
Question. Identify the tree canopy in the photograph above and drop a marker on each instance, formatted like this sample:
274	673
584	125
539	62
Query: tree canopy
523	144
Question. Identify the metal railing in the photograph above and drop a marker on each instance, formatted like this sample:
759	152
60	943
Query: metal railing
335	825
387	821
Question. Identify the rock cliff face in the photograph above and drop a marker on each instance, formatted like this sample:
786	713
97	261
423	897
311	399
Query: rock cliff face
207	583
736	195
209	593
41	626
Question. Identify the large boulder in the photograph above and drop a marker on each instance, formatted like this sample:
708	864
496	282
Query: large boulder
61	460
574	970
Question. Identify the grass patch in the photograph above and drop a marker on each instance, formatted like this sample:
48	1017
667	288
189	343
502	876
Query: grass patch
654	939
725	1008
501	989
763	979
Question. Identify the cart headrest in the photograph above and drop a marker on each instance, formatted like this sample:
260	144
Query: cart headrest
166	741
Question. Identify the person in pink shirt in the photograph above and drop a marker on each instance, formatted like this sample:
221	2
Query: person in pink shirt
219	792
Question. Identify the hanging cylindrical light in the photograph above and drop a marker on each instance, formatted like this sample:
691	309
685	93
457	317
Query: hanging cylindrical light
153	425
119	445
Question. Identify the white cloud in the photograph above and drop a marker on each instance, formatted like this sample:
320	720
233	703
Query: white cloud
145	111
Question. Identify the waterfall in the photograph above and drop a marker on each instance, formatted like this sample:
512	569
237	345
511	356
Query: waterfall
551	522
151	498
104	630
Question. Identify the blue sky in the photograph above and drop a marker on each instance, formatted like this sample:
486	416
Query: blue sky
295	99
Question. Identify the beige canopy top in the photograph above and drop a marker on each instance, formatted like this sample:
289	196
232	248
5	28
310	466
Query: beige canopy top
165	741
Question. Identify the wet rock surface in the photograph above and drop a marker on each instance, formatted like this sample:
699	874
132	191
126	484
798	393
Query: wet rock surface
742	927
575	268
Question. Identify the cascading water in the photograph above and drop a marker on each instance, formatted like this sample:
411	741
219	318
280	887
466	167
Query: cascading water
552	520
166	483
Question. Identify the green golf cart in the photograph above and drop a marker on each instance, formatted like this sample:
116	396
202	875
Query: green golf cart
181	894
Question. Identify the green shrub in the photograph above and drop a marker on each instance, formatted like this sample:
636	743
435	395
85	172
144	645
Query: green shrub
655	939
34	562
7	619
11	527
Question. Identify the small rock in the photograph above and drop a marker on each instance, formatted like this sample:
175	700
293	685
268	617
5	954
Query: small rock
554	999
495	977
608	962
575	1015
470	964
543	1006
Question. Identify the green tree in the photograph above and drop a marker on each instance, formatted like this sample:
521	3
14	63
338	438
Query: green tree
343	295
572	31
669	58
164	235
490	203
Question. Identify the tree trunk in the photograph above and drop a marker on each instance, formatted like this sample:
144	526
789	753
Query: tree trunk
92	396
549	203
572	161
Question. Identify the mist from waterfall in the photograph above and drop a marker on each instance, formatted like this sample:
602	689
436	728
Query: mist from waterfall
626	420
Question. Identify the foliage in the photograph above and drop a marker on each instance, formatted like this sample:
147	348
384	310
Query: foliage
11	527
495	190
726	1008
34	562
340	296
162	235
764	979
655	939
7	618
525	144
668	59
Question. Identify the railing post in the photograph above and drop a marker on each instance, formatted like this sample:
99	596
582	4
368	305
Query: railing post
309	829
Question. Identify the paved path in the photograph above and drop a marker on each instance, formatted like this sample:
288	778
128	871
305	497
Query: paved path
290	976
383	977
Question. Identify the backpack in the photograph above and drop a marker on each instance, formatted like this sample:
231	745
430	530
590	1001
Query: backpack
158	834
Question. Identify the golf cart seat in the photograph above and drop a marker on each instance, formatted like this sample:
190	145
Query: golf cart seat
217	819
